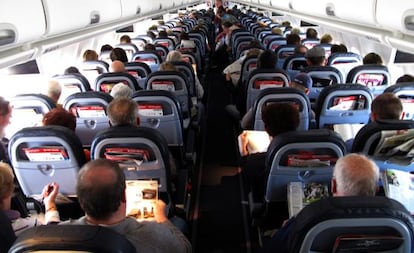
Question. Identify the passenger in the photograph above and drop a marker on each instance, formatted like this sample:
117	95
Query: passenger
149	47
386	106
353	175
326	39
117	67
125	39
316	56
176	56
233	71
118	54
266	60
301	49
277	31
54	90
151	35
123	111
61	117
405	79
302	82
167	66
185	41
162	34
223	45
372	58
293	39
106	48
311	33
90	55
121	90
101	194
71	70
278	118
17	223
341	48
5	115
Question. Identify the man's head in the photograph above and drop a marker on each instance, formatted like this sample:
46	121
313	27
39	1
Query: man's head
123	111
267	60
311	33
117	67
386	106
54	90
280	117
303	82
5	115
118	54
372	58
6	186
121	90
101	188
355	175
316	56
125	39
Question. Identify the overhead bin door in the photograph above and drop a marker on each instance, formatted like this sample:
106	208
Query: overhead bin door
131	8
63	16
352	10
396	15
282	4
21	21
310	7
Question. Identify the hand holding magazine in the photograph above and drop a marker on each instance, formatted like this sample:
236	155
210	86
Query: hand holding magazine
251	142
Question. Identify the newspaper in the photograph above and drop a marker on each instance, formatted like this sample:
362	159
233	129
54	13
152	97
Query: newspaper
396	146
302	194
399	185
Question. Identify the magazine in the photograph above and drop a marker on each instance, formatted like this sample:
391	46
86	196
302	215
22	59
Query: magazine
397	146
366	243
252	141
302	194
399	185
141	196
310	160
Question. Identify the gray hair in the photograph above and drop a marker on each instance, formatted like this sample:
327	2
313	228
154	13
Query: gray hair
356	175
122	111
174	56
121	90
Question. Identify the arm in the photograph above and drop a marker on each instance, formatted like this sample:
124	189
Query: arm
49	194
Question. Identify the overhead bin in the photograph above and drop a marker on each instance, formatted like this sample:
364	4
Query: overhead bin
362	12
14	19
310	7
131	8
63	16
396	15
282	4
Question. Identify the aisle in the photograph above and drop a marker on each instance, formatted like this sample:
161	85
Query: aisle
220	224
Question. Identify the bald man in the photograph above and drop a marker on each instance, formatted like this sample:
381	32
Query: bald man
54	90
102	180
353	175
117	66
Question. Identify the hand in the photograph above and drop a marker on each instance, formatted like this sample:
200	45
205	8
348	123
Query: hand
244	141
159	213
49	194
